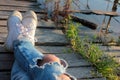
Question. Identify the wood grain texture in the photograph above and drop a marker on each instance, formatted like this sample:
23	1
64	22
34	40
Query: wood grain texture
83	72
44	36
19	8
23	3
41	23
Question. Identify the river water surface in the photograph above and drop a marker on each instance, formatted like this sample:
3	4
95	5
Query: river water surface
100	20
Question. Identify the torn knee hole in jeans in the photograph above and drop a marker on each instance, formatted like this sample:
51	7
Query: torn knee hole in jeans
39	62
42	62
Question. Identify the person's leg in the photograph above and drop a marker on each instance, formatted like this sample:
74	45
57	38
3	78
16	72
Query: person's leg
13	23
25	53
18	73
48	66
35	63
14	29
30	23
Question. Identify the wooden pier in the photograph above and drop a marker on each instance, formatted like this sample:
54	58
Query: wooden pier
50	40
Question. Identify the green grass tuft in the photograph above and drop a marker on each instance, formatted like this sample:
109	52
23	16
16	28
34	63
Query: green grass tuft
103	63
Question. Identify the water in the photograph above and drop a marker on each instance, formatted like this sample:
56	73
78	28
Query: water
102	5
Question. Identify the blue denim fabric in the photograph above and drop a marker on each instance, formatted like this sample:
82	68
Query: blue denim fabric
25	65
18	73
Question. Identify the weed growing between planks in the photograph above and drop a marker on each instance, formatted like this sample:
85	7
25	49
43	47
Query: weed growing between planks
103	63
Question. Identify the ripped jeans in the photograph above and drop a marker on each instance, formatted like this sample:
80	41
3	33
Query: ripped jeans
25	66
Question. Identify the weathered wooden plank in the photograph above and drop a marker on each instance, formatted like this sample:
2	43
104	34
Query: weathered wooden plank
94	79
81	72
113	51
6	57
23	3
3	29
117	59
2	17
45	49
3	22
44	36
53	49
46	24
97	12
72	59
12	8
2	37
7	13
110	48
41	23
98	37
5	75
6	65
50	36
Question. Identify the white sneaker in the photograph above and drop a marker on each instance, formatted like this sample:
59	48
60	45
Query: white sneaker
13	25
30	23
